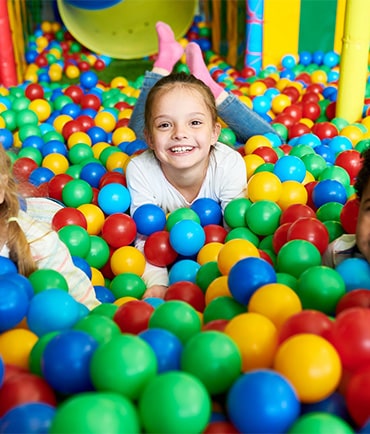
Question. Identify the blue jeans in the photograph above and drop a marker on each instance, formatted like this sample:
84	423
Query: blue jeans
240	118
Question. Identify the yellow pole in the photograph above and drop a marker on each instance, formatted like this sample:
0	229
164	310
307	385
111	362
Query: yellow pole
354	60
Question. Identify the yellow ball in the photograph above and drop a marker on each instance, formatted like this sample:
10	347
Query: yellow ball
72	71
275	301
55	72
95	217
98	148
292	192
233	251
311	364
308	178
117	160
319	76
119	82
57	163
60	121
257	339
256	142
217	288
123	300
2	122
105	120
97	277
42	109
123	134
127	259
352	132
280	102
252	162
125	114
264	186
78	137
16	346
257	88
209	252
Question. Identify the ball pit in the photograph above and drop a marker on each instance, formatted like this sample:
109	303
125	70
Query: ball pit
249	298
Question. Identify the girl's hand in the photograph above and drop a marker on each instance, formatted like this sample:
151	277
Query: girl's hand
156	291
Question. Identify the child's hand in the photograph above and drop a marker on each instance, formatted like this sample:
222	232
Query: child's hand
157	291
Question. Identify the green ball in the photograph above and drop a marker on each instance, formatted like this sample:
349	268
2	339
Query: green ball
235	210
223	307
27	117
340	123
315	164
124	364
33	153
362	145
320	288
263	217
227	136
177	317
267	243
287	279
107	152
127	285
74	170
77	192
181	214
52	135
28	131
335	229
336	173
79	153
301	150
320	423
100	327
98	254
281	130
175	402
44	279
329	211
61	101
10	119
182	67
243	233
296	256
35	358
77	239
213	358
21	104
265	167
206	274
96	412
105	309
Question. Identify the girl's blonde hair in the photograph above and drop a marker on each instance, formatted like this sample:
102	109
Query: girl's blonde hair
179	79
19	249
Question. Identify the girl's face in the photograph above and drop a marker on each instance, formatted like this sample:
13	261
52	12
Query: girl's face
363	224
182	130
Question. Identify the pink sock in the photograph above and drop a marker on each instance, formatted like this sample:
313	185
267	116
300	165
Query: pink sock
169	50
195	62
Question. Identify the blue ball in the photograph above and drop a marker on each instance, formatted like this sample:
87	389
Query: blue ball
52	310
97	134
290	168
185	269
71	109
7	266
21	281
149	218
340	143
83	265
88	79
187	237
40	175
66	361
114	198
54	147
166	346
247	275
328	190
14	304
305	58
326	153
262	401
135	146
208	210
261	104
103	294
318	57
154	301
92	173
334	404
2	371
308	139
355	273
30	417
33	142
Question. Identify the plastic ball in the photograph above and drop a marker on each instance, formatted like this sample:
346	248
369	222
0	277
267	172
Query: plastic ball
76	238
273	403
349	215
166	346
290	168
320	422
263	217
94	217
215	233
124	365
264	186
133	316
102	411
114	198
52	310
159	412
149	218
40	175
319	371
309	229
44	279
14	303
187	237
296	211
127	259
188	292
234	213
209	211
77	192
92	173
233	251
16	345
355	273
68	216
354	298
181	214
292	192
119	230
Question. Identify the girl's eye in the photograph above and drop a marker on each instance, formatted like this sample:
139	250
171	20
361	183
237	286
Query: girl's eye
196	122
164	125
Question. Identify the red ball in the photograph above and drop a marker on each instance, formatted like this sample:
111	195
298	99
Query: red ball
310	97
268	154
330	110
306	321
285	148
264	255
23	389
74	92
133	316
358	396
280	236
68	216
310	229
158	250
220	427
99	65
298	130
284	119
56	185
350	161
124	122
350	335
71	127
188	292
22	168
296	211
214	233
356	298
216	324
112	177
119	230
349	215
294	111
86	122
248	71
309	188
292	92
311	110
34	91
315	88
90	100
325	130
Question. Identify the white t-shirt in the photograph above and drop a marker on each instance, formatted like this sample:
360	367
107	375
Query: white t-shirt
225	180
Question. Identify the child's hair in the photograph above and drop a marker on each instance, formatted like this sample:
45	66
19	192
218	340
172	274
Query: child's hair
19	249
179	79
363	176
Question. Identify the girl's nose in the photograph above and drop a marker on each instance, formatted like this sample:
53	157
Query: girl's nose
179	132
